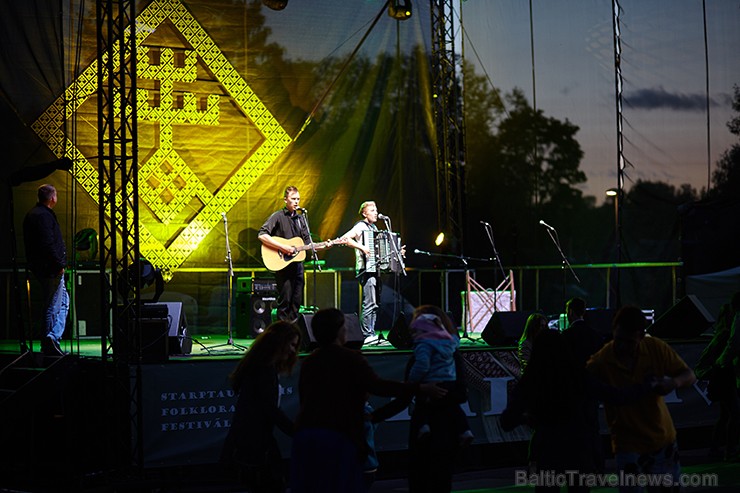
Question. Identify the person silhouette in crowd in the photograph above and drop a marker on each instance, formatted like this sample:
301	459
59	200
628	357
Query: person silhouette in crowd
642	433
438	427
584	340
552	398
536	323
331	446
250	446
718	364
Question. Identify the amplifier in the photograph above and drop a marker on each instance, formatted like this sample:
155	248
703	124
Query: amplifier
261	286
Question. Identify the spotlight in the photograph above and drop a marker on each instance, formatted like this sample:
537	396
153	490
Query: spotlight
142	270
275	4
399	9
440	238
86	240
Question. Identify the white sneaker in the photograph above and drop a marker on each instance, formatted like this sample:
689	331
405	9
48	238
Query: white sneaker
371	339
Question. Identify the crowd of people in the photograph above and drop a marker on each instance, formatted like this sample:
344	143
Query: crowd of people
567	374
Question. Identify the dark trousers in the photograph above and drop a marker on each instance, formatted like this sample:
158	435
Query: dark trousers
432	458
290	287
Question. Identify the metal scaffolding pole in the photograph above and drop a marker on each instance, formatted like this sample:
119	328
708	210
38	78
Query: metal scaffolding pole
449	122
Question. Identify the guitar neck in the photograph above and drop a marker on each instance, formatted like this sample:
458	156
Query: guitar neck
317	246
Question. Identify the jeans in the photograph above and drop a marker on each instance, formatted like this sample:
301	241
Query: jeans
662	466
371	287
56	306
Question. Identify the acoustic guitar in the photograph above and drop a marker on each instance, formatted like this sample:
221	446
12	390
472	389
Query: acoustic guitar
276	260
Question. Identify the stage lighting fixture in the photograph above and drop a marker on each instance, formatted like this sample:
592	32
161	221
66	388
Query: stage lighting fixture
86	240
147	274
275	4
399	9
440	238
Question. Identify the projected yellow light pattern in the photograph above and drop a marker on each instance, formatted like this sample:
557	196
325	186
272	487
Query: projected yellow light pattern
184	202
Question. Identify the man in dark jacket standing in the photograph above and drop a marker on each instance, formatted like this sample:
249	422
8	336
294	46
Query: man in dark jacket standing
47	257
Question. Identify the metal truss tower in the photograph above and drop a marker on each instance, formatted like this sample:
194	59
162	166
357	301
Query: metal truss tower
118	218
449	122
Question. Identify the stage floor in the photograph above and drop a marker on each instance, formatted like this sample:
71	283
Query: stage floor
212	346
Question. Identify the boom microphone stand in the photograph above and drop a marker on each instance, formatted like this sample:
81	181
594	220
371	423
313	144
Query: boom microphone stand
230	342
553	233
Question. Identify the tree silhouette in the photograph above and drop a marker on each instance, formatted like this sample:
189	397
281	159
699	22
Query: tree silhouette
726	178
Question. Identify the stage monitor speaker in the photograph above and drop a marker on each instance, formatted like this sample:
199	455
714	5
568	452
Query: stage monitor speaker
685	320
253	313
355	338
154	340
505	328
179	341
400	335
482	306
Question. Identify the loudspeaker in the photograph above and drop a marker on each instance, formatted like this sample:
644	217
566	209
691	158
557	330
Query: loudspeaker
154	340
253	313
505	328
87	303
400	335
179	341
355	339
327	289
685	320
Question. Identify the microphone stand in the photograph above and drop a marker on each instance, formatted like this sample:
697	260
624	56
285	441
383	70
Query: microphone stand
489	233
394	247
553	233
314	256
230	276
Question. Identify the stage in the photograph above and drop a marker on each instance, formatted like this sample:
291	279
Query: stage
186	402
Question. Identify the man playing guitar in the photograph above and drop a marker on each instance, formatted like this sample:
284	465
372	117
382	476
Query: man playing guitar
287	223
285	238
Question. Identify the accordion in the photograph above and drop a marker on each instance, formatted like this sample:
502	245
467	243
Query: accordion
383	255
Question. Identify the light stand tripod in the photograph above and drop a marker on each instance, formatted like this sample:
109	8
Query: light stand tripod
230	342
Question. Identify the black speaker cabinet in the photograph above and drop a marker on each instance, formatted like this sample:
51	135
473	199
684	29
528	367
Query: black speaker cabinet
685	320
505	328
253	313
179	341
87	303
326	294
355	338
154	340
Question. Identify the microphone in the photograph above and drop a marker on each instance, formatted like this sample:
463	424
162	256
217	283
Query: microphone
484	223
223	214
420	252
383	216
546	225
305	211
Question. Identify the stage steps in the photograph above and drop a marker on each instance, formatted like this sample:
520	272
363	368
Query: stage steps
30	376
